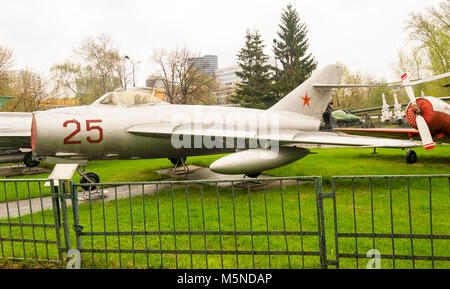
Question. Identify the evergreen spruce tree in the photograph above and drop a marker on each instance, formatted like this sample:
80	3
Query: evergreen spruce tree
255	86
294	64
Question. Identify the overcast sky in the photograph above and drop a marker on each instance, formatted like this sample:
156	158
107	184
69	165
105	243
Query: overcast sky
365	35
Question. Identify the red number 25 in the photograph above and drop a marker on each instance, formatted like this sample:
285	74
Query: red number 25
89	127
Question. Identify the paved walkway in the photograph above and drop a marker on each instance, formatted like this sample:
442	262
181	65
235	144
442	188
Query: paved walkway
36	204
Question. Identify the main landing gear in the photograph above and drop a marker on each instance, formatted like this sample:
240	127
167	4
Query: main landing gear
179	163
411	156
88	178
29	161
254	175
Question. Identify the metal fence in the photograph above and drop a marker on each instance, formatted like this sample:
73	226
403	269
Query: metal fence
29	220
403	219
292	222
202	224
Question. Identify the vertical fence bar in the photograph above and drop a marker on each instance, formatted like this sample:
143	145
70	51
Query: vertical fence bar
43	220
104	226
251	222
234	221
118	226
392	222
204	225
31	218
320	223
372	212
284	224
159	225
410	224
336	239
76	215
145	225
220	229
65	221
1	243
132	226
189	224
267	226
20	220
55	202
92	229
174	230
431	224
354	223
9	220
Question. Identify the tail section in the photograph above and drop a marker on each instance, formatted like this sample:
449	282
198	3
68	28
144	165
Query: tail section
395	100
384	101
308	99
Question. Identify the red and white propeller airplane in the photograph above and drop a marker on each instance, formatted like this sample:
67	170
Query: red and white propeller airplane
428	116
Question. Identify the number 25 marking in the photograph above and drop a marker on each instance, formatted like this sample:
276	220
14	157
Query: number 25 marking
89	127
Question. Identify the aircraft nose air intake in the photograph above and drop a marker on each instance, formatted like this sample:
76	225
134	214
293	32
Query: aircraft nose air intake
33	133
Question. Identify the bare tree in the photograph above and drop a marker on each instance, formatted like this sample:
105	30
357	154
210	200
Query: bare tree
431	30
30	91
6	62
352	97
183	82
167	73
96	69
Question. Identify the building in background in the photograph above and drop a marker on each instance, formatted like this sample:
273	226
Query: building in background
227	79
207	64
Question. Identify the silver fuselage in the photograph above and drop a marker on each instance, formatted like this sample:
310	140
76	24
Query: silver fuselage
99	132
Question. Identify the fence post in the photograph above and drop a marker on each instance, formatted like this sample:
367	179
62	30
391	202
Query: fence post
56	216
65	221
321	223
76	216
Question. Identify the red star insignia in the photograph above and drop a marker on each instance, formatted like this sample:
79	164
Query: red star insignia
306	99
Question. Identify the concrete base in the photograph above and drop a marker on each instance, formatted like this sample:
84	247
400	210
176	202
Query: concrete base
20	170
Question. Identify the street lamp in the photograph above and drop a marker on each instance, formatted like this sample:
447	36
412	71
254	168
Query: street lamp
133	65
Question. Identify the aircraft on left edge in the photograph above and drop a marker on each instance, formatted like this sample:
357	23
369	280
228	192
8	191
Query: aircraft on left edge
15	144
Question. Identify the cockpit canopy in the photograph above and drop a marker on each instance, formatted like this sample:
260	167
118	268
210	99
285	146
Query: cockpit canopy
128	98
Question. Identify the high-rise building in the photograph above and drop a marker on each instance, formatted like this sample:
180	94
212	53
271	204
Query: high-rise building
206	64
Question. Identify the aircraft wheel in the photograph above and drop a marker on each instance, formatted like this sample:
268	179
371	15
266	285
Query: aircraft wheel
174	161
94	179
28	160
254	175
411	157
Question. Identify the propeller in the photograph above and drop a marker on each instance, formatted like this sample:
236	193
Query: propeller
422	125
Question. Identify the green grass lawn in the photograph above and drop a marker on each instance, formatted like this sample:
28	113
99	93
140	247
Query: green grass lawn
267	210
108	171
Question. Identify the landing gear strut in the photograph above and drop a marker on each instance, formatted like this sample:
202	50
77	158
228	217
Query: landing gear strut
411	156
28	160
179	162
87	178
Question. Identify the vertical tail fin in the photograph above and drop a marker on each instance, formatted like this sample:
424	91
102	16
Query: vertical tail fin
395	99
384	100
307	99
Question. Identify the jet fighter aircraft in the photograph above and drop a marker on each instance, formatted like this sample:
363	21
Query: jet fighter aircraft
128	124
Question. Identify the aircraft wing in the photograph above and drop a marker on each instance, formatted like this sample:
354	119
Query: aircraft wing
397	133
284	137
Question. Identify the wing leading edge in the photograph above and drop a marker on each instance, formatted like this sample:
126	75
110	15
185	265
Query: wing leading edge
284	137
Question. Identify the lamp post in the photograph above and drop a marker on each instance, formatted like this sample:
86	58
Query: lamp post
133	66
